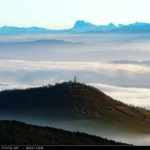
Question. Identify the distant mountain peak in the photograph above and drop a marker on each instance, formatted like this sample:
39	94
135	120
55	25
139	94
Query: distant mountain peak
139	24
80	23
111	24
5	26
83	26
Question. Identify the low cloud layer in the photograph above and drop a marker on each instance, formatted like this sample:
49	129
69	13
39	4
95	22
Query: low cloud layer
96	72
99	67
109	78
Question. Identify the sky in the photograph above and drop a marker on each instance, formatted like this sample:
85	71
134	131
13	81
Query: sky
62	14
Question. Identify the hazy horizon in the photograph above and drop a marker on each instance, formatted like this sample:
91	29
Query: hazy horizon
30	64
56	14
73	23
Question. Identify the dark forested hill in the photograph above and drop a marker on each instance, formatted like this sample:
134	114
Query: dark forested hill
70	101
18	133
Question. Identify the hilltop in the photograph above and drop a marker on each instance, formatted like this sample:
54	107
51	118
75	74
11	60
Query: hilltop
73	101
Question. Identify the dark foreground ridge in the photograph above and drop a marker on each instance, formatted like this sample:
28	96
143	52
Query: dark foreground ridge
18	133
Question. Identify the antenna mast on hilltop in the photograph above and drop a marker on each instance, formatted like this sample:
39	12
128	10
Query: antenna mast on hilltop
75	79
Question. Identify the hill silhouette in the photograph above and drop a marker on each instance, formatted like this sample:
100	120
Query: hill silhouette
69	100
19	133
42	41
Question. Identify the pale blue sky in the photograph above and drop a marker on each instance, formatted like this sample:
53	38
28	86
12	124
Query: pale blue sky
61	14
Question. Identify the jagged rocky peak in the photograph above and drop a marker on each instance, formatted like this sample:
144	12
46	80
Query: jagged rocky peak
81	23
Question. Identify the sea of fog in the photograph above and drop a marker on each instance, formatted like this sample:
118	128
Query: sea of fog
92	127
23	64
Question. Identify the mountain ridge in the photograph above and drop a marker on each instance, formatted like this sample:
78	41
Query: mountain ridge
43	41
144	62
80	26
